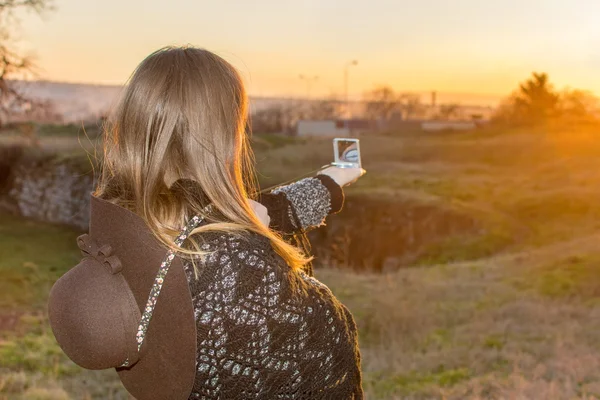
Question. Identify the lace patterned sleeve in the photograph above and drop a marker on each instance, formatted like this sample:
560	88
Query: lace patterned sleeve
303	205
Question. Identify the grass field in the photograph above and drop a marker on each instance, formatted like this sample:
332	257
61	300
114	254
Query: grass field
519	321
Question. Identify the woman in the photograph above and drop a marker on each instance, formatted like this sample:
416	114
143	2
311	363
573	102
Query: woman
187	286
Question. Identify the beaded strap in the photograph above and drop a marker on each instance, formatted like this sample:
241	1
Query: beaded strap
159	280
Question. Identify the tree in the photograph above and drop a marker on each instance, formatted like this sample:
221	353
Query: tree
381	103
578	106
13	65
411	106
269	120
329	108
448	111
535	102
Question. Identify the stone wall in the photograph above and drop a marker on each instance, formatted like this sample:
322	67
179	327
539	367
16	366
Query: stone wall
48	188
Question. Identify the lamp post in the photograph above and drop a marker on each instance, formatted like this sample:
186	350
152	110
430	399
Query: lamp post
309	80
348	65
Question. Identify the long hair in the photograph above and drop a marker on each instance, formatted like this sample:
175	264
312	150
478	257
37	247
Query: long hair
183	115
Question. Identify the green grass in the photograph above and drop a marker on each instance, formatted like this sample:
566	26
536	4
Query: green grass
466	331
264	142
495	342
32	257
73	130
384	386
450	330
32	366
523	189
503	305
465	247
574	276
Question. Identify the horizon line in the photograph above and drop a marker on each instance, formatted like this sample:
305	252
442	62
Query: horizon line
497	96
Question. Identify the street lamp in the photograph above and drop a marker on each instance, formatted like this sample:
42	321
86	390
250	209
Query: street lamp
348	65
309	81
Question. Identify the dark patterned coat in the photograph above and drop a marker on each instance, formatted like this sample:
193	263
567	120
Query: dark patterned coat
265	331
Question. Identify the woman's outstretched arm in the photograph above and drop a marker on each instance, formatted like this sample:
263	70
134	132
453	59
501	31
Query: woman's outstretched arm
303	205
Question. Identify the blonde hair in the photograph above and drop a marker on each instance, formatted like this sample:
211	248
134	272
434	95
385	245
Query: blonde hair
183	115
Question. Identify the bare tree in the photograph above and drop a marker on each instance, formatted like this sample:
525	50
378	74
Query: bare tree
411	106
329	108
381	103
13	65
269	120
448	111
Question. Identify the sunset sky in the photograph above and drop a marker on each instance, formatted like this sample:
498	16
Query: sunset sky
480	47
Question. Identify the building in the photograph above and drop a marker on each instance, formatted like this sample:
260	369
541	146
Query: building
435	126
334	128
423	125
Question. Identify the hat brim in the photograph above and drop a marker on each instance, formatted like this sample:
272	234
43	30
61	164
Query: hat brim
167	366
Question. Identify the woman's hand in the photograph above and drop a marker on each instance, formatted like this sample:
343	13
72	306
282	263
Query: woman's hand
261	212
343	176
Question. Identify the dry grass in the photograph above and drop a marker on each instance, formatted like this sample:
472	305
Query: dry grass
480	330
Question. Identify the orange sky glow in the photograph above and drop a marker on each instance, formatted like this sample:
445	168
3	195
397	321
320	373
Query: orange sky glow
479	49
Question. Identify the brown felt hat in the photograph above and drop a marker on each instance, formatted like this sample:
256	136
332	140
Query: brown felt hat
96	307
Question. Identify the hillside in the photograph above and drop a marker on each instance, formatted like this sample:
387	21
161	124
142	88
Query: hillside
505	306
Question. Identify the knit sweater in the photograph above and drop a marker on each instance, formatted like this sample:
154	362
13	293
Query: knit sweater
265	331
